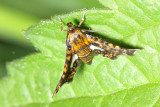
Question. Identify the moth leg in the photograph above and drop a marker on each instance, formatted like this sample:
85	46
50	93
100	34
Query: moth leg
66	70
82	20
61	25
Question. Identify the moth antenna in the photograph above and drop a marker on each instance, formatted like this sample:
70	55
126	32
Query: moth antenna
82	20
61	25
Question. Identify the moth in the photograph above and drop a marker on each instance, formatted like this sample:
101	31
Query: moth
80	46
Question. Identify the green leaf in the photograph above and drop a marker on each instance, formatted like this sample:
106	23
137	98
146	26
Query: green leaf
127	81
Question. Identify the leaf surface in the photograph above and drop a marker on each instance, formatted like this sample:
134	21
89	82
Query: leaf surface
127	81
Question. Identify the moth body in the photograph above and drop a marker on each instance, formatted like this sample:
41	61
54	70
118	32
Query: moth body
79	43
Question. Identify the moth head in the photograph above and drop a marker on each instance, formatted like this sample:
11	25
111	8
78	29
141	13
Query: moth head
70	26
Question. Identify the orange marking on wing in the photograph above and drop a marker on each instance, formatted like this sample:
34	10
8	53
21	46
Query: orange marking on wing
63	76
107	48
104	44
117	47
99	41
68	52
65	70
111	45
68	58
100	46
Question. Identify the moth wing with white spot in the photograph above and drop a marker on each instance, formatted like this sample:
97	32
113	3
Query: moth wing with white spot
106	49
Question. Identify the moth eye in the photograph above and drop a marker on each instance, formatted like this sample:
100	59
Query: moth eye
69	24
79	36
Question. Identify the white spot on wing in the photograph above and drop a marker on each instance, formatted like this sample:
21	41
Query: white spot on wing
96	47
88	36
75	57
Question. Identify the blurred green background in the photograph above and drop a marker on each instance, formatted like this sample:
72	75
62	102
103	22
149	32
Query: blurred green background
18	15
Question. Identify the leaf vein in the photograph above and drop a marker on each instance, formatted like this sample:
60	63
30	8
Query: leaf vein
138	69
141	10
